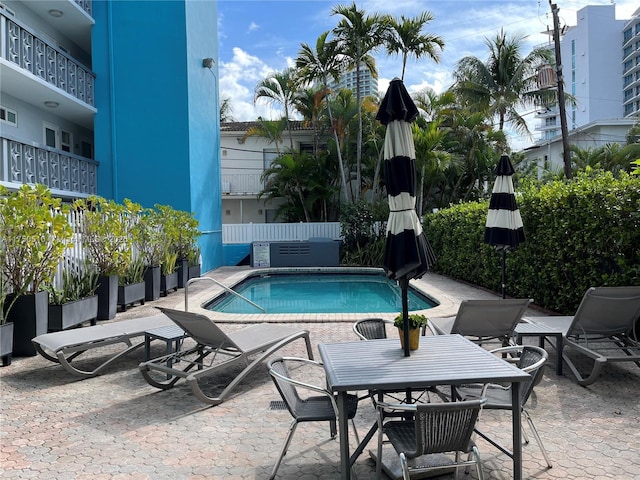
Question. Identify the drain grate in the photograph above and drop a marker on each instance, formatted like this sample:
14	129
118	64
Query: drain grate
277	405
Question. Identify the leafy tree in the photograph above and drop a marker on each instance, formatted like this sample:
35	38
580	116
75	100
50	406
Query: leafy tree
309	103
280	88
406	38
505	82
271	130
322	64
358	35
226	111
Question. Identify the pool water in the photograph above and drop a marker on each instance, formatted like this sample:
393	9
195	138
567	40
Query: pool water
319	293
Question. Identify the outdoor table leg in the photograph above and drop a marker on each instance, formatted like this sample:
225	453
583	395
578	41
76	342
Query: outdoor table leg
517	431
343	433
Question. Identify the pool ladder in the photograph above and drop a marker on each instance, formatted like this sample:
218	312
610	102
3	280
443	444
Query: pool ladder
196	279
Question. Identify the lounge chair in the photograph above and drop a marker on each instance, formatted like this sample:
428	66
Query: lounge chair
235	348
66	346
483	320
600	329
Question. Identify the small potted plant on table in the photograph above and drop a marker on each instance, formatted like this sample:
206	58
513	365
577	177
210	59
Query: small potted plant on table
416	323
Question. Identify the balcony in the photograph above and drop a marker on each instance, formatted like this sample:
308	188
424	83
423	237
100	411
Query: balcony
241	184
36	72
66	174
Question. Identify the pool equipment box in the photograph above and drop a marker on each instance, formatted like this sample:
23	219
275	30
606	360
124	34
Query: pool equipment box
315	252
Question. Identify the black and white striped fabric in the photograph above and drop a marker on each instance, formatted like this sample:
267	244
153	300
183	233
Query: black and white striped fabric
407	252
504	223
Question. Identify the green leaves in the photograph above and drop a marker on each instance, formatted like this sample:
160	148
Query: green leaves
34	232
579	233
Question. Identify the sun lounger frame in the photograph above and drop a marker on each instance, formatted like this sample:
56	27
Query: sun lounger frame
257	340
601	340
66	346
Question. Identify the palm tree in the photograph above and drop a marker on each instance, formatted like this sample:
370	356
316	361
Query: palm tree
358	35
505	82
322	64
271	130
309	104
406	39
280	88
226	111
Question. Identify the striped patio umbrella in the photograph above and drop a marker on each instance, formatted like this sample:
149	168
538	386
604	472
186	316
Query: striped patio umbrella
504	228
407	253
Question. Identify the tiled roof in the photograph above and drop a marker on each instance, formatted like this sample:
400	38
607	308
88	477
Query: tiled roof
244	126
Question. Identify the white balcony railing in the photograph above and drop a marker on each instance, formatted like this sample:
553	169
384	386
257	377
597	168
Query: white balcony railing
60	171
23	47
241	184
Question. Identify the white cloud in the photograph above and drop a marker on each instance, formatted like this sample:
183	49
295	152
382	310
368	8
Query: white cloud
253	26
238	78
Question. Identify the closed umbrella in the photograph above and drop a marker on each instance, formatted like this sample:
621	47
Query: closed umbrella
504	228
407	253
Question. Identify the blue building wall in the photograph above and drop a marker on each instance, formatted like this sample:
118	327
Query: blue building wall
157	128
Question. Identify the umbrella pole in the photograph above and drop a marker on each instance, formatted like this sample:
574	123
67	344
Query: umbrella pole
404	285
504	274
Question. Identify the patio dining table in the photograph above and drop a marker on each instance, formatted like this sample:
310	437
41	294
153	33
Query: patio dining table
380	365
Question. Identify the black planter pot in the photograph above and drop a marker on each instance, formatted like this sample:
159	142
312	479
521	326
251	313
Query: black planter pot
194	271
107	296
130	294
74	313
29	315
183	272
6	343
152	283
168	282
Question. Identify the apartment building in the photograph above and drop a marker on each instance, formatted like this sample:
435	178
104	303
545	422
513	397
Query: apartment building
243	161
114	98
601	70
349	78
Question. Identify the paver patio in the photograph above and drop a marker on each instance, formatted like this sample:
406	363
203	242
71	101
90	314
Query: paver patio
54	426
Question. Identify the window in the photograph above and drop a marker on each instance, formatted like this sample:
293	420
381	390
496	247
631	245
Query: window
86	149
51	135
66	141
9	116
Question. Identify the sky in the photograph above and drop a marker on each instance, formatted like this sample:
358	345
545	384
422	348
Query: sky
257	38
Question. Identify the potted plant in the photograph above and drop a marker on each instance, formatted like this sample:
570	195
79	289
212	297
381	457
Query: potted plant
107	239
193	258
6	328
169	275
131	285
182	233
416	322
34	232
150	239
77	302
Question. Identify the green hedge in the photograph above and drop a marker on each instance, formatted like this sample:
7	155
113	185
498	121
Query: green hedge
580	233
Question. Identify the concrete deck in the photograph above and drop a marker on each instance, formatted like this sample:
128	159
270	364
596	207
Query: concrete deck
54	426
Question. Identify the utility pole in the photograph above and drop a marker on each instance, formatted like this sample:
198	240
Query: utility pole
563	110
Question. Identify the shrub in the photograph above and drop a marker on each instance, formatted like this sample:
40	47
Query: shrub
579	233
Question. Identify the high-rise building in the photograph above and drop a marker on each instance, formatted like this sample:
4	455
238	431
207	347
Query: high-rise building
600	58
118	99
349	78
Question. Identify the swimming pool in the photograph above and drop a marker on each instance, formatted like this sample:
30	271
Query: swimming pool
319	291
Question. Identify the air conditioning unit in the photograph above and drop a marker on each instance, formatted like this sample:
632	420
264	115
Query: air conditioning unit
226	187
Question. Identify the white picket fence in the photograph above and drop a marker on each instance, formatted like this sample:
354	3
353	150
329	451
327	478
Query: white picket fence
231	234
272	232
